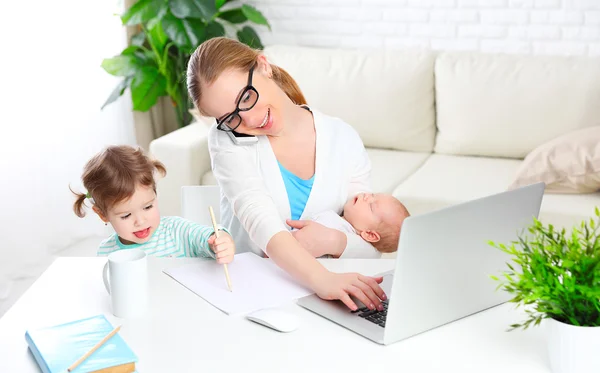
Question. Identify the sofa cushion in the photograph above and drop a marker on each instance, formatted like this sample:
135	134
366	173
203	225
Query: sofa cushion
568	210
387	96
391	167
506	106
568	164
446	180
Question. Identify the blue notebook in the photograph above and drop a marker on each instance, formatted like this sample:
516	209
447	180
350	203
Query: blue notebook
55	348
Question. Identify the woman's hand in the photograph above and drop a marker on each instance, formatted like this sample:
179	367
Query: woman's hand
223	247
287	253
342	285
317	239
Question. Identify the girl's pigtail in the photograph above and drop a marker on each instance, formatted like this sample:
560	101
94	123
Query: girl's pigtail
79	203
160	168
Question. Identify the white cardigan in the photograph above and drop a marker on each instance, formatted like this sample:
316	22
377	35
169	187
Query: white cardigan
254	201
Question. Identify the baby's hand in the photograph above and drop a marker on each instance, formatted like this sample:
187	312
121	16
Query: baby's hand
223	247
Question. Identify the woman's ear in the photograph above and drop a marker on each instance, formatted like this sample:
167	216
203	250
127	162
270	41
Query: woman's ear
264	67
100	214
370	236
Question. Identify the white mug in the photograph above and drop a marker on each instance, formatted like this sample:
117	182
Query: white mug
125	276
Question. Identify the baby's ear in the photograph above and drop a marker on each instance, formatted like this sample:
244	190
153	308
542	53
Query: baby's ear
99	213
370	236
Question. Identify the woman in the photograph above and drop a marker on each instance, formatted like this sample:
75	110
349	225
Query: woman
302	162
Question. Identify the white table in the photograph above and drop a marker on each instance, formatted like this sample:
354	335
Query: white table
183	333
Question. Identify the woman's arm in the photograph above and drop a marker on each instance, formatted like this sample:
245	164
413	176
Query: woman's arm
320	240
236	170
287	253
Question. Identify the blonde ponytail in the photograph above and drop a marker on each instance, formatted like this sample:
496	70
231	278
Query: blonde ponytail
288	85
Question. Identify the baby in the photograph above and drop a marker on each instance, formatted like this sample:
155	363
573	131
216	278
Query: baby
377	218
122	192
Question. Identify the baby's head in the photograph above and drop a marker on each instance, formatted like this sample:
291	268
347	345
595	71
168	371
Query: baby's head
377	218
122	191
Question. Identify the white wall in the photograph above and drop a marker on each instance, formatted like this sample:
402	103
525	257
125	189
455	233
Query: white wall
508	26
51	124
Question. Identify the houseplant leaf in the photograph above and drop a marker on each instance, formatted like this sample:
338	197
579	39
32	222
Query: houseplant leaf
117	92
185	33
202	9
556	273
157	36
234	16
121	65
138	39
143	11
220	3
214	29
248	36
146	87
142	56
254	15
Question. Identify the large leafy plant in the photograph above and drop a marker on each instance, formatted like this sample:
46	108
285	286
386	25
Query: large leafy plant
556	274
155	63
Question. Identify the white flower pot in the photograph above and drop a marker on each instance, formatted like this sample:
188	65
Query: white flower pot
573	349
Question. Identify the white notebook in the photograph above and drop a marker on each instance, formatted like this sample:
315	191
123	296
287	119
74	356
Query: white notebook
256	282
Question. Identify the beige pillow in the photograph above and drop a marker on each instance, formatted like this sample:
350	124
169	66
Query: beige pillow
567	164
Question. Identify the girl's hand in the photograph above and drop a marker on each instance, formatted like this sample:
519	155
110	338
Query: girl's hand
343	285
223	247
317	239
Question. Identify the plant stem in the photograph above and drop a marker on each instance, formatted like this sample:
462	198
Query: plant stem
183	104
180	119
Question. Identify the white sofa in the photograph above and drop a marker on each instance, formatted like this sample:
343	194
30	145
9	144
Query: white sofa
440	128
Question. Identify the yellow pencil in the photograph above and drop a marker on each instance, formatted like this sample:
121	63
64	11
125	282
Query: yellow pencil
81	359
214	222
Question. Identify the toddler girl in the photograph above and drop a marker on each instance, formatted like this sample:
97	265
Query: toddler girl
122	192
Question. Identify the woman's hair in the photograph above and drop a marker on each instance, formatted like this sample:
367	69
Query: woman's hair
218	54
112	175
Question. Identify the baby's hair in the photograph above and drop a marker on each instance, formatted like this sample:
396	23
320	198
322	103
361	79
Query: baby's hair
389	232
112	175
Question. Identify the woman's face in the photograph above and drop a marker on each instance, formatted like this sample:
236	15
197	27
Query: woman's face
219	99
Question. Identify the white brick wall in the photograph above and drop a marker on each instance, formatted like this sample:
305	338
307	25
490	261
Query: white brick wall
560	27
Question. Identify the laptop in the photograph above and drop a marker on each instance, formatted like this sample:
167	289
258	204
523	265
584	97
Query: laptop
443	267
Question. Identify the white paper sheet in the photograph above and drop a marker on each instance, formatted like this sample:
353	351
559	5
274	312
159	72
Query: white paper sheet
256	282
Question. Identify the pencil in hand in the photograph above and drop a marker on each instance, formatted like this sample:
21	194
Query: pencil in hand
214	222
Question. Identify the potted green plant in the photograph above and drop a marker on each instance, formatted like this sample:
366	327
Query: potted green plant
555	275
155	63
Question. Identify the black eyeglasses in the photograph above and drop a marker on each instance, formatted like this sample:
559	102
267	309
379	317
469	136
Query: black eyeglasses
246	101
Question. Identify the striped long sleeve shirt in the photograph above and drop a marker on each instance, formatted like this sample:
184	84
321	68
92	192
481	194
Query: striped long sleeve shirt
174	237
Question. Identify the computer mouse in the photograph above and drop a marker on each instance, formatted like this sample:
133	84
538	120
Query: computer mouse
275	319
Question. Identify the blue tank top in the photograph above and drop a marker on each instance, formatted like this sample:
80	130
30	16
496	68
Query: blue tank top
298	191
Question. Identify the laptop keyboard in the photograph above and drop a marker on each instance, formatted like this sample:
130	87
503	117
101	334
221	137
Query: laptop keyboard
374	316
